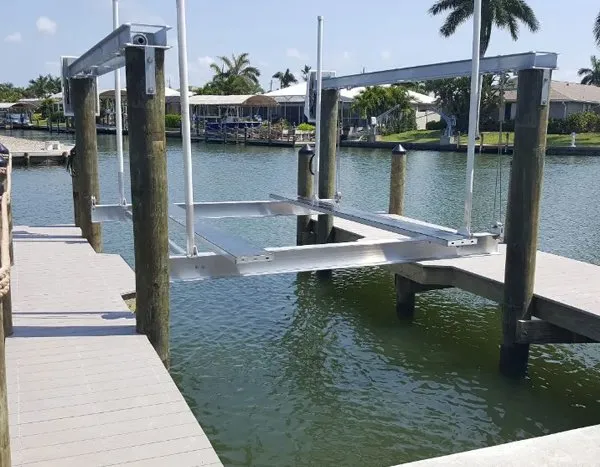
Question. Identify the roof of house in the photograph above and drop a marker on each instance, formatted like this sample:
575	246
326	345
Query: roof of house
562	91
297	93
251	100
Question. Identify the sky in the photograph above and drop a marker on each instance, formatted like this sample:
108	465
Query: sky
373	35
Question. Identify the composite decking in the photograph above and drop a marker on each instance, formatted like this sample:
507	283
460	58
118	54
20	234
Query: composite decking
84	389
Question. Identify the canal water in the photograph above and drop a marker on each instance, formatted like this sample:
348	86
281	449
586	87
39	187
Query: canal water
290	371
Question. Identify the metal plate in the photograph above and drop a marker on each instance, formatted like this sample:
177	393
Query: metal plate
323	257
233	248
246	209
111	213
401	225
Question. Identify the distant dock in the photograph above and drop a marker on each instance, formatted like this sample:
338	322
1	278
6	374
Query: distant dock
27	152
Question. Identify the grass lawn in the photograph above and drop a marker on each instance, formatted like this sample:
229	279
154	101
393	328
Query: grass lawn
433	136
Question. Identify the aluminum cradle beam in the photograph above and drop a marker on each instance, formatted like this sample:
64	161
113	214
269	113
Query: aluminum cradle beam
232	248
499	64
111	213
323	257
402	226
108	54
246	209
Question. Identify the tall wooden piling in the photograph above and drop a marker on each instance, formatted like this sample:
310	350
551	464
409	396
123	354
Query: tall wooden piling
397	180
148	166
305	189
329	126
86	160
328	146
531	126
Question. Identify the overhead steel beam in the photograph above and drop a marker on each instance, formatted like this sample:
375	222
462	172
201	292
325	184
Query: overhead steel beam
499	64
324	257
399	225
108	54
249	209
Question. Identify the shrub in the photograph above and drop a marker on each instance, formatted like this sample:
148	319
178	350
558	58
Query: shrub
440	125
305	127
172	120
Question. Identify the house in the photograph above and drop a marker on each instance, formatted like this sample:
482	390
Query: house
565	99
291	105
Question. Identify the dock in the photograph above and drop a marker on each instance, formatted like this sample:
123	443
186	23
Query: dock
565	293
35	152
83	387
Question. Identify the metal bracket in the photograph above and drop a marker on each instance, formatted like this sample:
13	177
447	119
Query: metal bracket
150	70
547	83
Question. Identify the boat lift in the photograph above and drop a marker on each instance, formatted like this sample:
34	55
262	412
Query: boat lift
232	256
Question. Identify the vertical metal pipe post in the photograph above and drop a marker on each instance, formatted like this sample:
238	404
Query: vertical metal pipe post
319	78
472	117
185	128
119	117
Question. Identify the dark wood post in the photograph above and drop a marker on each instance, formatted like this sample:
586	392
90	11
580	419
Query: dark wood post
397	180
148	166
531	126
305	190
329	138
86	160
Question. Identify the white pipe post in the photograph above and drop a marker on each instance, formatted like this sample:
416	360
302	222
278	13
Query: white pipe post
185	128
472	117
119	116
318	113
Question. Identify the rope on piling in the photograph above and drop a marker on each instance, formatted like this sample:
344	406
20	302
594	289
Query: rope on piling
5	230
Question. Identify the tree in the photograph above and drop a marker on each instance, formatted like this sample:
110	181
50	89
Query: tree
305	72
453	97
591	76
238	66
597	29
286	78
504	14
374	101
10	93
44	86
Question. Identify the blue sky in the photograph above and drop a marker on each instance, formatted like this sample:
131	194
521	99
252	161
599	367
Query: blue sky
376	34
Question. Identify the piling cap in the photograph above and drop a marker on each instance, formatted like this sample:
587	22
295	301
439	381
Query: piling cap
399	150
306	149
3	149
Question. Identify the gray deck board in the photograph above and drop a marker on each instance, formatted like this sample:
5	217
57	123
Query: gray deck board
83	387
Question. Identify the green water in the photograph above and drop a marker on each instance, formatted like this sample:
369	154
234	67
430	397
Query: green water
287	370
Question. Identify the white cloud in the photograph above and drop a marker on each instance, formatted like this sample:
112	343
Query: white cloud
46	25
15	37
292	52
386	55
346	55
206	61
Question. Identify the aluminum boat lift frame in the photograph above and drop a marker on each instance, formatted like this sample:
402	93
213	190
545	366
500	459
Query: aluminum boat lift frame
233	256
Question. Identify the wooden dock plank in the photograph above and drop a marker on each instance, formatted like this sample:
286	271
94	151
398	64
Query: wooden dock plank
83	388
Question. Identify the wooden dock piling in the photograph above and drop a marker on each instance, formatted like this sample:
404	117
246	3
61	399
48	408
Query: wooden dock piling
5	457
148	165
397	180
305	190
531	126
328	147
86	161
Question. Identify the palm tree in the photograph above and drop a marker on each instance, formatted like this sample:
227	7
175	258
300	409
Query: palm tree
44	86
286	78
504	14
305	72
236	66
591	76
597	29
